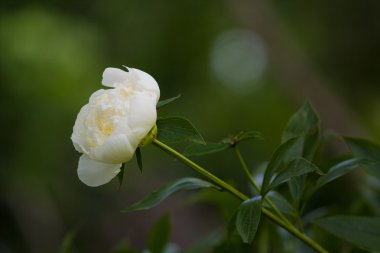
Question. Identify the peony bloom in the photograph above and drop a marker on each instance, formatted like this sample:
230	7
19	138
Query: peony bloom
111	126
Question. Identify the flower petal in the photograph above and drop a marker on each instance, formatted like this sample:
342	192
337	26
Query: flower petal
116	149
145	82
114	76
79	130
142	114
97	94
94	173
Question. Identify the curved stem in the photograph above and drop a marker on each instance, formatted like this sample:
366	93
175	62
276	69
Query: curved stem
246	170
291	229
257	187
199	169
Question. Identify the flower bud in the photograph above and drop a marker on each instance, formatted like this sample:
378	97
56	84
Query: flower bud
149	137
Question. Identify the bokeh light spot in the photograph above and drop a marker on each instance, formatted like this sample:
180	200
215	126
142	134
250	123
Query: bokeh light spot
238	59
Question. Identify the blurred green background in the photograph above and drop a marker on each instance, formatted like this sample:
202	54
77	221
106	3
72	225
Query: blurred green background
239	65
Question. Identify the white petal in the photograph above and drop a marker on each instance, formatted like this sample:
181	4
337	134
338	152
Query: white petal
145	82
94	173
114	76
97	94
79	130
116	149
142	114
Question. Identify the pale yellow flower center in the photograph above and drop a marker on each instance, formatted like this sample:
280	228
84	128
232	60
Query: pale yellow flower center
105	113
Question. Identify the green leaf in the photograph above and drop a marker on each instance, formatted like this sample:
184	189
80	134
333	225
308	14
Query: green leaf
120	176
159	235
156	197
305	124
339	170
278	160
176	129
167	101
295	168
281	202
67	245
369	150
247	135
248	219
196	149
297	188
139	159
363	232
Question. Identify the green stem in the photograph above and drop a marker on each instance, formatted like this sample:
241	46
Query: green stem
246	170
291	229
257	187
200	170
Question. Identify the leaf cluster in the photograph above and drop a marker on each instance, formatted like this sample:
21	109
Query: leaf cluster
292	164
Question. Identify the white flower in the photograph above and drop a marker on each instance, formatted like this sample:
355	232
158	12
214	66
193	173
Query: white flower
110	127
